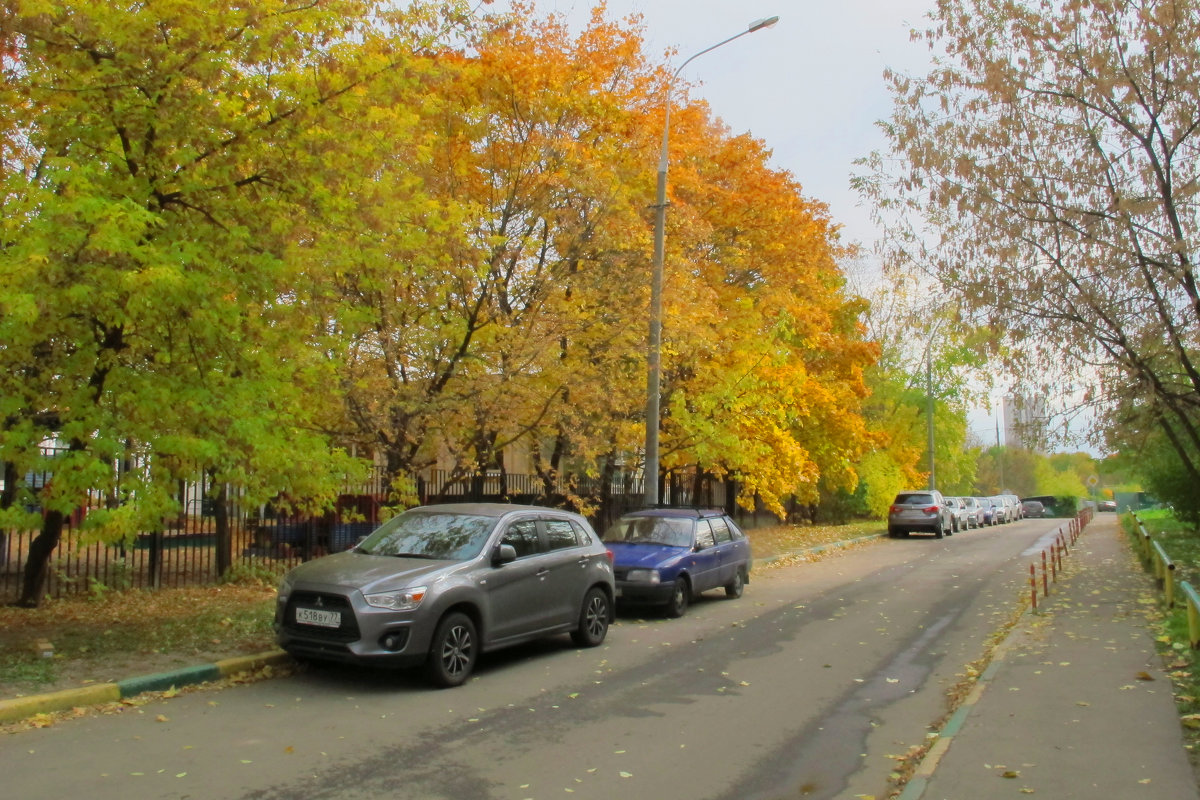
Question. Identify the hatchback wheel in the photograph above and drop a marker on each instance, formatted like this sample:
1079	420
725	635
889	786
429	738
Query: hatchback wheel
453	651
680	595
593	619
735	587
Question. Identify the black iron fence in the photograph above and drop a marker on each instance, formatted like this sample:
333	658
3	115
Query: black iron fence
262	542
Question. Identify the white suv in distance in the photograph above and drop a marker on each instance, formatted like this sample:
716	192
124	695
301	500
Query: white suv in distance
1004	510
974	514
959	517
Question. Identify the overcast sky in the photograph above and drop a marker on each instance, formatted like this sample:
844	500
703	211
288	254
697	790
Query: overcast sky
811	87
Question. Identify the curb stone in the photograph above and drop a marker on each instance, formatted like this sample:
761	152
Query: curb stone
20	708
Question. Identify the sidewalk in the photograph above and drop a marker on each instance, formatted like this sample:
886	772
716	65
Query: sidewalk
1076	703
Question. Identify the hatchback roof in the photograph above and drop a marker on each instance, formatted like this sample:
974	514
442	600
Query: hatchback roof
680	511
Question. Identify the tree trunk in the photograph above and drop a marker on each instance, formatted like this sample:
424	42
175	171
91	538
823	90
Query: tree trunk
37	568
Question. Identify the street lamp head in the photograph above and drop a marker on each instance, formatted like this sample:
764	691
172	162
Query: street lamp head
759	24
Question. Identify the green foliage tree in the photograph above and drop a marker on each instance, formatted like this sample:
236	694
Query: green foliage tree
1027	473
151	191
927	351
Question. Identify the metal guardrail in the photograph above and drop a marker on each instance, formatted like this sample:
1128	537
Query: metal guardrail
1164	572
1161	565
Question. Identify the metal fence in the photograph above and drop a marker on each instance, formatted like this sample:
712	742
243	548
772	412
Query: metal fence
263	542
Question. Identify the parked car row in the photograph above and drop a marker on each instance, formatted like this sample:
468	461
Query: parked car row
930	511
436	586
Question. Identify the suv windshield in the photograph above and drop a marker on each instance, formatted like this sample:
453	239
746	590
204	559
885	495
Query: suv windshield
914	499
670	531
420	534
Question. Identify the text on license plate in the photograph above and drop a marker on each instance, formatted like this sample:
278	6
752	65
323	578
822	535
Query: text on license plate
312	616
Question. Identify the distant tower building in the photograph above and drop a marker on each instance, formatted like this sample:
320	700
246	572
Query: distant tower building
1025	422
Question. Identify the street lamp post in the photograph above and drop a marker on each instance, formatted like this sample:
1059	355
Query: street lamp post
654	356
929	414
929	401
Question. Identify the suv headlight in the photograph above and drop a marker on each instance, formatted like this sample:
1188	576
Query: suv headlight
403	600
285	587
642	576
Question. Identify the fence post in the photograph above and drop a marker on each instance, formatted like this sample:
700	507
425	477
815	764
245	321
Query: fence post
1164	573
1192	601
1145	539
1033	586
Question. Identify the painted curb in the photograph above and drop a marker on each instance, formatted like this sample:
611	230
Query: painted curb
19	708
240	664
161	681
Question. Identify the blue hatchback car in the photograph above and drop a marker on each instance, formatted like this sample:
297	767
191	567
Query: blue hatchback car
667	556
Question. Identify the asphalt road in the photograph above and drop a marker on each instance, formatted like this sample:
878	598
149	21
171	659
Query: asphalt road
808	686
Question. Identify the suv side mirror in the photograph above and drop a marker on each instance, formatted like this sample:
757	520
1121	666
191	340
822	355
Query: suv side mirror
503	554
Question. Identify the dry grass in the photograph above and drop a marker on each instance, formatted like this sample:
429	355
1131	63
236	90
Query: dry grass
103	638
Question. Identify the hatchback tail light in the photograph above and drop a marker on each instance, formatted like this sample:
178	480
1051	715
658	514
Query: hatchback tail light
932	509
611	558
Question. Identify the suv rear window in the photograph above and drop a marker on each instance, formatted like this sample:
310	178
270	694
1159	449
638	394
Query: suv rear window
913	499
560	534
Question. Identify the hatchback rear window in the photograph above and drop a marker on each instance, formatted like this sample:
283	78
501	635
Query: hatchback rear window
670	531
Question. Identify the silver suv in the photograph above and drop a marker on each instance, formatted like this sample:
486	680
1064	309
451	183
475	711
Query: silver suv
438	585
925	510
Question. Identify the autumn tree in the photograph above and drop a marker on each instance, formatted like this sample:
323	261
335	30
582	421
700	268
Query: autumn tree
519	321
764	351
486	298
1046	171
151	189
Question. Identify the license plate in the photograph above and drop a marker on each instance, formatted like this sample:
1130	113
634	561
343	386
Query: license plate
313	616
